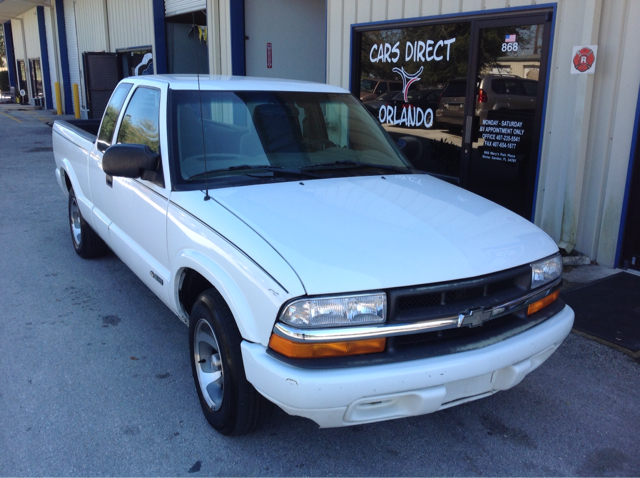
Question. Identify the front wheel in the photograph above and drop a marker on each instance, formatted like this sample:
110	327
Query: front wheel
229	402
86	242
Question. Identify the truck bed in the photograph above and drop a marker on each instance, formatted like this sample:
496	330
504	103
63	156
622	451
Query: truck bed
87	129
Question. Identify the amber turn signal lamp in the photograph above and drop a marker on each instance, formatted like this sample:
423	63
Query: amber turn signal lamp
542	303
326	349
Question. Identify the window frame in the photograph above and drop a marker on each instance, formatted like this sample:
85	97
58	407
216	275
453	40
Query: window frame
126	104
116	126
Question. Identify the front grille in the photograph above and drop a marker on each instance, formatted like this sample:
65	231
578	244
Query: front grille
452	298
460	333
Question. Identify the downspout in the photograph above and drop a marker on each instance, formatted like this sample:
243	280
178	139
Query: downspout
106	21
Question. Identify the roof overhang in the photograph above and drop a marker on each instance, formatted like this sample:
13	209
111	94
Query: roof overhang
12	8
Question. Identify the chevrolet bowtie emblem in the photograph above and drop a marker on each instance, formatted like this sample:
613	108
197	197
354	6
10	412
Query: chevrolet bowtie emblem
474	318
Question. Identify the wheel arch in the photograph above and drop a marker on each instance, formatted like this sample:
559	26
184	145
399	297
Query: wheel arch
197	273
66	180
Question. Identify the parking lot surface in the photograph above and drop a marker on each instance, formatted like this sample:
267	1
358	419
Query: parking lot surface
95	377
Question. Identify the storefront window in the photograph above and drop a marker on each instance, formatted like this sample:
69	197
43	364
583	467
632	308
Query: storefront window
471	92
404	72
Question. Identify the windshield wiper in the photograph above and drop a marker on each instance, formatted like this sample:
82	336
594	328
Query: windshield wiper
245	167
357	164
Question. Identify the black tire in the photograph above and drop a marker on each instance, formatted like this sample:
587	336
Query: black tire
86	242
229	402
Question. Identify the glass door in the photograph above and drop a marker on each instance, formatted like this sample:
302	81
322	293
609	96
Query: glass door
471	91
502	125
36	78
22	83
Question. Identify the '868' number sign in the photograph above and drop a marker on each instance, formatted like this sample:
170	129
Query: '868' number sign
510	43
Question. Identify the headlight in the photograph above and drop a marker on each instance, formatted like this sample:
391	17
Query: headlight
336	311
545	271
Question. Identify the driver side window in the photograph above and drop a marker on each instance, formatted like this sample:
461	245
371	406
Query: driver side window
140	124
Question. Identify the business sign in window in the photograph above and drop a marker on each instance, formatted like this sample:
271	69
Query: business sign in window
469	91
403	73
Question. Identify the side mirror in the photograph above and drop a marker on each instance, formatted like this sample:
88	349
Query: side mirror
129	160
411	147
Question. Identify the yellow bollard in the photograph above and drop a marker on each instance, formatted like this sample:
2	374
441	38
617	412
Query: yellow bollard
76	100
58	98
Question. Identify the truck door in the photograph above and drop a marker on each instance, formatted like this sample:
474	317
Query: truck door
136	208
101	196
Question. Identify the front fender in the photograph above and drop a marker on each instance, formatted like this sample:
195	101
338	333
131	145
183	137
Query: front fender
253	300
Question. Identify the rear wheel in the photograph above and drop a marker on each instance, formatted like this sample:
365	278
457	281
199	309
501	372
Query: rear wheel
229	402
86	242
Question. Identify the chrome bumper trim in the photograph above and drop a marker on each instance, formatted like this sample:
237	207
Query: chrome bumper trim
337	334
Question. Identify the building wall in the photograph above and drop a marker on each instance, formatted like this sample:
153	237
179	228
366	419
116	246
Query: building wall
341	14
18	44
589	118
297	33
31	40
26	40
219	36
91	25
130	23
610	129
100	25
32	36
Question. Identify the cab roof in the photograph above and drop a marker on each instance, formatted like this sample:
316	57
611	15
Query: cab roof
235	83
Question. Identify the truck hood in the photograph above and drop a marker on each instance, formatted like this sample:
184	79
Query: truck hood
367	233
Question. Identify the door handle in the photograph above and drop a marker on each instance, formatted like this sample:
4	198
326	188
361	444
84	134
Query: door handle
109	180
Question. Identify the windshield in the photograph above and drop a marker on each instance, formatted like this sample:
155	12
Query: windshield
276	135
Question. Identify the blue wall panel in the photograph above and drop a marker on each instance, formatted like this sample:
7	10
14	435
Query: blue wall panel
44	60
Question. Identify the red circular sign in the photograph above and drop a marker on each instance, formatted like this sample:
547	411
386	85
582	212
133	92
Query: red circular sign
584	59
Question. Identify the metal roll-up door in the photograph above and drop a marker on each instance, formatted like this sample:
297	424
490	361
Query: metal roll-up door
177	7
72	43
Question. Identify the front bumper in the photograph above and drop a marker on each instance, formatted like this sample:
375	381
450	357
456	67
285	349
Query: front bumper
351	396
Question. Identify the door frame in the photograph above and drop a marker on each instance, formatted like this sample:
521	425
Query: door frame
546	18
630	209
485	19
33	79
90	87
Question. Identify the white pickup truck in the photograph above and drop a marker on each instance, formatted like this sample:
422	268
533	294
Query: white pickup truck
313	265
